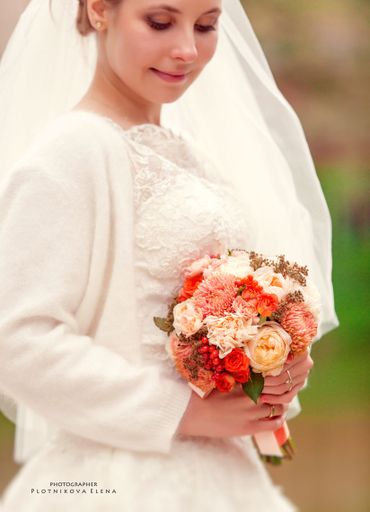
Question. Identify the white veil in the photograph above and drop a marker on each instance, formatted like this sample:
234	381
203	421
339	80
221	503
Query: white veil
234	113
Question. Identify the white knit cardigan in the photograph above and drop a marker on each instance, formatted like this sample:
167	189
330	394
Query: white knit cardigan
69	345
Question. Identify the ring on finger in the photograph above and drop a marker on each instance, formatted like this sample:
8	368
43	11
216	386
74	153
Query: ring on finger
289	381
272	412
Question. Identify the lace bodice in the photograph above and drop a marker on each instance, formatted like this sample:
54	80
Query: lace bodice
182	210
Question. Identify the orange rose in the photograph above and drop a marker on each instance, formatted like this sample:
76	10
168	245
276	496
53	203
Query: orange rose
267	303
251	288
236	361
242	376
190	285
224	382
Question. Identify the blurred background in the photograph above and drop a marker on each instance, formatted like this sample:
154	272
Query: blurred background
319	52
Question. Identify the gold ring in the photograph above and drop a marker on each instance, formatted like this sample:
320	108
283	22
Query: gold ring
272	412
289	381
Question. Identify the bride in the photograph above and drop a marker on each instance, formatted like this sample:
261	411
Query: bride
139	136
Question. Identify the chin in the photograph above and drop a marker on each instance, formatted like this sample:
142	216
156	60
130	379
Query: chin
175	94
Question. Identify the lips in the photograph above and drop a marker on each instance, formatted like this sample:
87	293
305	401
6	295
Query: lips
170	74
174	74
170	77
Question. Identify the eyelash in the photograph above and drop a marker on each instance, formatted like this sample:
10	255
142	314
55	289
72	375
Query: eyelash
163	26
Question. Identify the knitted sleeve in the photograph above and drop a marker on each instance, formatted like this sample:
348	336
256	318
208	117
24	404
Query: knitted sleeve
45	363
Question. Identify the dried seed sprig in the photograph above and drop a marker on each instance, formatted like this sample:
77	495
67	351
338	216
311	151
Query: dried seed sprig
281	266
296	297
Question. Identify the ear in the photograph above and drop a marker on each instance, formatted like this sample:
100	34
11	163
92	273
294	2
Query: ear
97	11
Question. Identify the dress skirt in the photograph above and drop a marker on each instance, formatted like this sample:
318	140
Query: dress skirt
199	474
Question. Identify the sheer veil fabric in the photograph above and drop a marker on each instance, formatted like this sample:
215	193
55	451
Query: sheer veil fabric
234	113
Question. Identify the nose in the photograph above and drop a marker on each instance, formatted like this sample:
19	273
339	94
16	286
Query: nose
185	47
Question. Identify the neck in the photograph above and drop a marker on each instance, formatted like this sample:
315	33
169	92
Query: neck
110	97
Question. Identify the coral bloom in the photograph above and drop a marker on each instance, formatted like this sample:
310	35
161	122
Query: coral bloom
190	285
181	355
267	303
300	323
224	382
215	294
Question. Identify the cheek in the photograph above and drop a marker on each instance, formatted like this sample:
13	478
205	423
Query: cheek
131	49
207	48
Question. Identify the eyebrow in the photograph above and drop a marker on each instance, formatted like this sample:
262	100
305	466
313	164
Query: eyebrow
169	8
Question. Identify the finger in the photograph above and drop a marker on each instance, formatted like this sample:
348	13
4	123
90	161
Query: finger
304	365
285	386
271	425
280	379
263	412
298	360
284	398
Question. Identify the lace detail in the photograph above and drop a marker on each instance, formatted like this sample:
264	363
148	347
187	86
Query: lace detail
183	210
181	213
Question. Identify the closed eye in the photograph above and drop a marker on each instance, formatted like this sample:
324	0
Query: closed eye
163	26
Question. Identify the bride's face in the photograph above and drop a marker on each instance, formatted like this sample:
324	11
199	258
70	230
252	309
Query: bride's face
148	39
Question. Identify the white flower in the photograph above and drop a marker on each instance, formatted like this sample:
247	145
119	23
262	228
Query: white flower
238	266
188	318
229	332
312	298
272	282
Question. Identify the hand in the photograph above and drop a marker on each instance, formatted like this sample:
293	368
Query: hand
228	415
276	389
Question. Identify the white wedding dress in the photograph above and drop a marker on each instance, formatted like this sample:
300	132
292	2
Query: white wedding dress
182	211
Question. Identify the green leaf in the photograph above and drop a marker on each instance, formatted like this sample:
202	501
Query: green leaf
241	289
253	388
163	324
272	459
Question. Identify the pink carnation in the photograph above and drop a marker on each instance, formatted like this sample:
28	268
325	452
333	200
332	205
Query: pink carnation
300	323
215	295
245	308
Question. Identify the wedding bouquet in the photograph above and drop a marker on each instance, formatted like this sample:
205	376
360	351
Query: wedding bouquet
237	319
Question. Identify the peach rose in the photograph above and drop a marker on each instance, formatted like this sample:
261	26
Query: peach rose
269	349
188	318
229	332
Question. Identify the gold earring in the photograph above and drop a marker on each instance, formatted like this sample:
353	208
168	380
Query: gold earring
99	25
